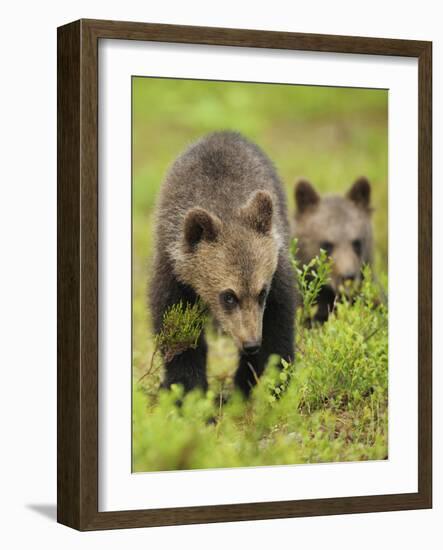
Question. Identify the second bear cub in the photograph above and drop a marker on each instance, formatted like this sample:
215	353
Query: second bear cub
339	225
222	235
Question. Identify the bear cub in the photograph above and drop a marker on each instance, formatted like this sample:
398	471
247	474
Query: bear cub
340	225
222	236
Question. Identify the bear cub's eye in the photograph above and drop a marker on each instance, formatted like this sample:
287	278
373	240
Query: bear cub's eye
228	299
262	296
357	246
327	246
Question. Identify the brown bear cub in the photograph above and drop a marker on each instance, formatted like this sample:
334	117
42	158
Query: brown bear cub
339	225
222	235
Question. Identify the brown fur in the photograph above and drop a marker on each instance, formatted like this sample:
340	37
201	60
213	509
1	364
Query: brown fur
341	221
240	259
222	228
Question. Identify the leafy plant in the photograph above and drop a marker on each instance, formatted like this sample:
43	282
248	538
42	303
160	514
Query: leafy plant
181	329
310	278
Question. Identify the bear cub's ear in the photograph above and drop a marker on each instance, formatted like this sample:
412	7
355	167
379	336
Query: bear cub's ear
305	196
200	225
360	193
258	212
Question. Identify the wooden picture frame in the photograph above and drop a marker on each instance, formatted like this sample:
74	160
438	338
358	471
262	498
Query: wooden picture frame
77	455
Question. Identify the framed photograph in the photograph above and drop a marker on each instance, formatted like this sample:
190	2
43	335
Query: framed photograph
244	275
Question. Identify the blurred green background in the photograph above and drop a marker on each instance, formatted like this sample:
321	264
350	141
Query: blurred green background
328	135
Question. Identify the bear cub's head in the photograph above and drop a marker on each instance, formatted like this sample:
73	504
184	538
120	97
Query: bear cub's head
340	225
230	265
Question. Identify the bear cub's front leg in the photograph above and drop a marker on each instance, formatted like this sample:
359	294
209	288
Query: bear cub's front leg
188	368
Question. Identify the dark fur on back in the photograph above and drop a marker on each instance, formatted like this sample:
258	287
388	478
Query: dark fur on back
222	222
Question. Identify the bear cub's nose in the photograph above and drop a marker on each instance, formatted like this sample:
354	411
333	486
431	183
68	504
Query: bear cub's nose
251	348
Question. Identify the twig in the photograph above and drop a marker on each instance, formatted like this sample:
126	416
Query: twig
371	334
150	367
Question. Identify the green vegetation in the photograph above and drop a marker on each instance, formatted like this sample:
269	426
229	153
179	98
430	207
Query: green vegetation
310	279
182	326
332	404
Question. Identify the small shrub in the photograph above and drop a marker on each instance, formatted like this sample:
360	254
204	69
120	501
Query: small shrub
181	329
310	279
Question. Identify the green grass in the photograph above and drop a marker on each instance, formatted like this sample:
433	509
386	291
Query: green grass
335	406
